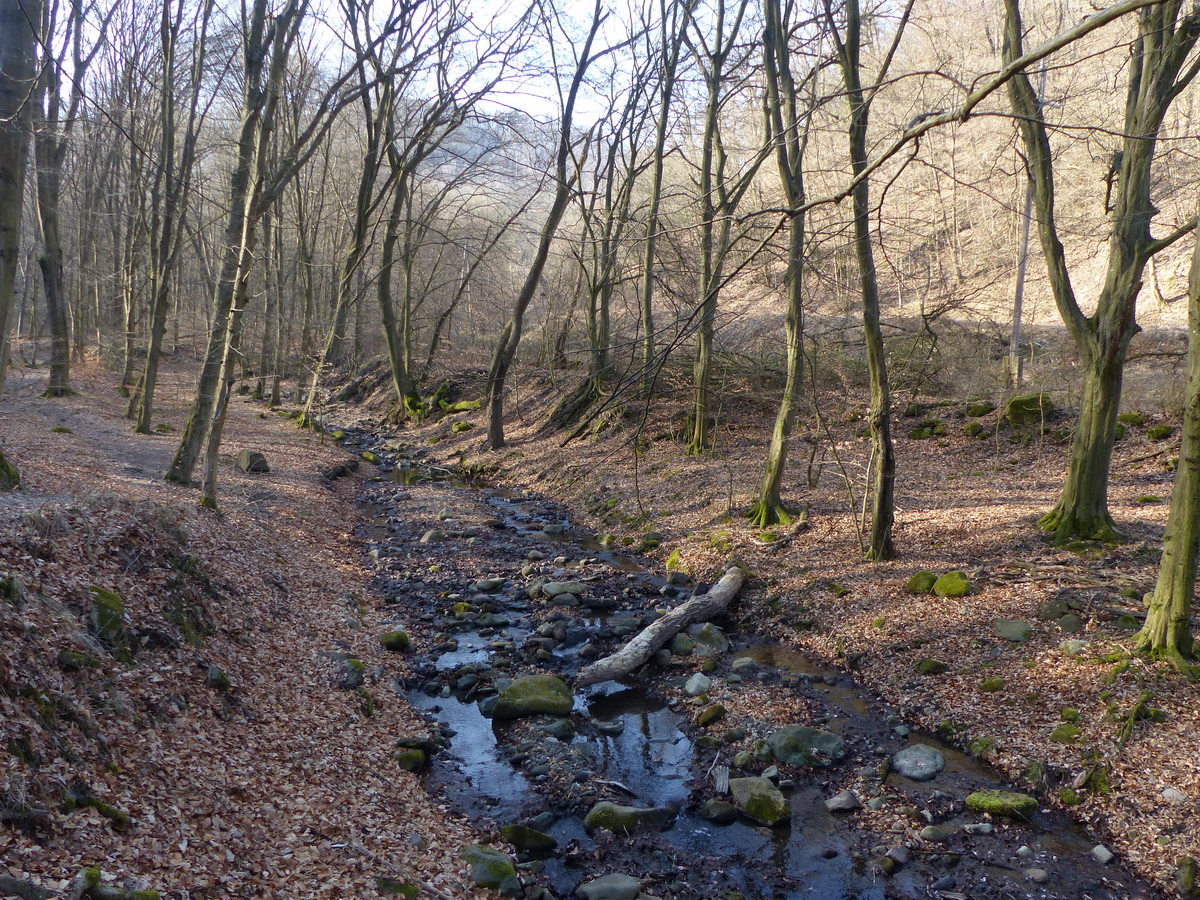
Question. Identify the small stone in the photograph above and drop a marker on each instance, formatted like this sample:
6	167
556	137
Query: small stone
945	883
743	663
535	555
899	853
1072	647
932	667
934	833
1038	876
979	828
719	811
1103	854
528	839
433	536
846	801
760	800
1174	795
697	685
1071	623
491	868
396	641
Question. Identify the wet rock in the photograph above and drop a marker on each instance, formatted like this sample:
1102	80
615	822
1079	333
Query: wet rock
1013	630
698	684
528	839
846	801
488	585
920	762
410	760
1002	803
532	694
760	800
559	728
610	887
609	728
799	745
625	819
719	811
1103	854
491	868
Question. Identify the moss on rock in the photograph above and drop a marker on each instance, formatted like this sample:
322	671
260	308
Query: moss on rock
1002	803
953	584
492	869
1029	409
533	694
397	641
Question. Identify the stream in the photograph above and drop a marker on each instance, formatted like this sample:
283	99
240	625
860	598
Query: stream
463	568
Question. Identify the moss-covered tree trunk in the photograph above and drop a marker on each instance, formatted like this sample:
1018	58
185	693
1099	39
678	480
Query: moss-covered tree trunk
1156	75
18	21
787	127
1167	633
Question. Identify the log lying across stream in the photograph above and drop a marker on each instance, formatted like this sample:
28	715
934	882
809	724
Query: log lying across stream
641	647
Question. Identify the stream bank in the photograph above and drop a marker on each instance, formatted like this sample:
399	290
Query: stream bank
465	571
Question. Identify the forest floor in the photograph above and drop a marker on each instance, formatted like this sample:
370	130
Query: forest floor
283	785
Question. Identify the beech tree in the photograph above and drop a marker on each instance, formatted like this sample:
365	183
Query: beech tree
1158	71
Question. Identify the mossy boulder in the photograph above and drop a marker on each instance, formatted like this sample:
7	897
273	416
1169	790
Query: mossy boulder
108	620
614	886
681	645
1013	630
710	640
216	679
1066	733
799	745
973	429
931	667
1134	419
980	408
397	641
1160	432
73	660
252	462
528	839
1029	409
992	685
626	819
492	869
10	478
921	583
758	799
554	589
953	584
533	694
711	714
1002	803
410	759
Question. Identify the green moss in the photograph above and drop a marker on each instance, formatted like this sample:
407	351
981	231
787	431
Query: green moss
460	427
879	622
369	456
931	667
920	434
1066	733
107	619
1160	432
992	685
1002	803
368	701
674	560
1136	418
73	661
397	641
982	746
711	714
973	429
1068	796
1029	409
411	759
981	408
953	584
1149	498
1069	714
61	429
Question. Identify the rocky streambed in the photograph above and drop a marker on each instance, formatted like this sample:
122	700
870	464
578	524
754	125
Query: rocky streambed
730	766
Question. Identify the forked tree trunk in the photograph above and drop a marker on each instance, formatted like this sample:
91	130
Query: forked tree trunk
1167	633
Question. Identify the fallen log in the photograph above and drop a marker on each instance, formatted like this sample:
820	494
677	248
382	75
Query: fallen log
641	647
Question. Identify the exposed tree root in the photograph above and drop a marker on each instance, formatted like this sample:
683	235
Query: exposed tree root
1064	527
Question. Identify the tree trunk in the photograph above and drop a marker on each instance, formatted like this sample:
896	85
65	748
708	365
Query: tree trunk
16	116
51	263
642	646
1167	633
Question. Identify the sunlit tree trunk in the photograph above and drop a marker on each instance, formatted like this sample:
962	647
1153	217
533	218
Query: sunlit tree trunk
1167	633
1154	80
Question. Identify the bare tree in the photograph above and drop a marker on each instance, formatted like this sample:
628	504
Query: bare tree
1158	72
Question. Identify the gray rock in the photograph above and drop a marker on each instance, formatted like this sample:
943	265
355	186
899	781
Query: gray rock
1013	630
742	663
682	645
920	762
433	536
698	684
719	811
804	746
846	801
1071	623
252	462
934	833
709	639
899	853
625	819
491	868
610	887
1072	647
553	529
760	800
979	828
1174	795
487	585
1103	854
553	588
1038	876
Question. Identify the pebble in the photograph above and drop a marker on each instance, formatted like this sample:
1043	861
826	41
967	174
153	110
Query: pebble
1039	876
1024	852
1103	854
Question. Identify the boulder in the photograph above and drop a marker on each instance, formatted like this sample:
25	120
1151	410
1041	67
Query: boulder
760	800
610	887
799	745
1029	409
709	639
846	801
252	462
920	762
932	667
396	641
953	584
492	869
698	684
626	819
1013	630
719	811
553	588
410	760
980	408
921	583
108	620
1002	803
710	714
528	839
533	694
